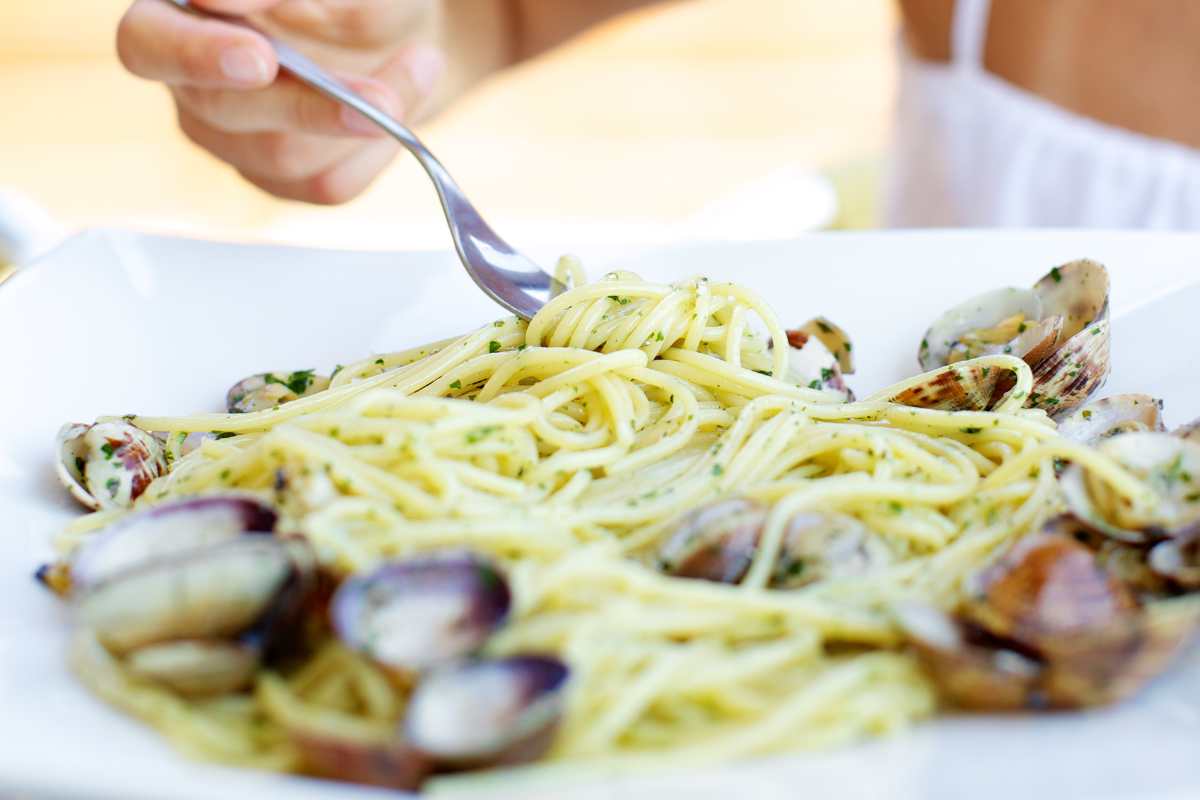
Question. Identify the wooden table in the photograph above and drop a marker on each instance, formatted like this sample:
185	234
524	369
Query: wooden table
705	94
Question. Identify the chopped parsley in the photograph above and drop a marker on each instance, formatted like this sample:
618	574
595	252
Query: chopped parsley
717	469
971	430
825	328
113	485
814	384
480	433
658	336
1054	273
493	346
826	374
895	506
225	474
848	348
108	449
619	300
1086	413
457	384
336	369
986	370
379	361
223	434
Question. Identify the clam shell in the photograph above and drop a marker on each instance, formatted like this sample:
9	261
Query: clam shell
836	341
197	667
963	386
393	764
1065	339
1110	416
1191	431
1177	560
487	713
108	464
970	669
715	542
216	592
1047	588
821	545
165	531
981	311
415	614
812	365
267	390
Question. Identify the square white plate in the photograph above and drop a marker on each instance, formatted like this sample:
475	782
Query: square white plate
112	322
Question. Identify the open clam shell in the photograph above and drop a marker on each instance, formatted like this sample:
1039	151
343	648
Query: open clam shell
813	365
1111	416
1178	561
1168	464
415	614
108	464
715	542
266	390
216	592
1049	627
836	341
486	713
718	542
1059	327
167	530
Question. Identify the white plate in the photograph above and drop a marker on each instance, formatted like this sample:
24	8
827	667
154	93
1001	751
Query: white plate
113	322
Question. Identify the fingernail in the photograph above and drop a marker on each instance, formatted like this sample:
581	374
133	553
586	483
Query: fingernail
245	65
357	123
425	66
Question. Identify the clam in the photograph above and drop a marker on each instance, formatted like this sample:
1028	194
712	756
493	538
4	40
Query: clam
962	386
415	614
192	595
1048	626
718	542
1191	431
1059	327
487	713
1168	464
392	762
166	531
266	390
1177	561
108	464
813	365
196	667
1111	416
836	341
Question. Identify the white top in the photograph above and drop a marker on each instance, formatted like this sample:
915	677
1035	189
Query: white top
973	150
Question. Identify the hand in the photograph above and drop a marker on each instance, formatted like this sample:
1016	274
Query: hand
280	135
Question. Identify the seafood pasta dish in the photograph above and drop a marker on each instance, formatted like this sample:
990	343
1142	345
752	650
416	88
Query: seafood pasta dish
652	526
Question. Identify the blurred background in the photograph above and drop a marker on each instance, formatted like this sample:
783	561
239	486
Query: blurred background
686	120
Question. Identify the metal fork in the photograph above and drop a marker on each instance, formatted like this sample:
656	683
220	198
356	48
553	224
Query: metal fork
511	279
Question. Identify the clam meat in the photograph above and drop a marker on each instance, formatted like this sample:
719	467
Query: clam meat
813	365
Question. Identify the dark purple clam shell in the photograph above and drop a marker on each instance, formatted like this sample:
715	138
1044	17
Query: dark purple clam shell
488	712
166	531
419	613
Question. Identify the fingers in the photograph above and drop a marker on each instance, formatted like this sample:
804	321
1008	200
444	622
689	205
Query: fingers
356	23
287	105
162	43
338	184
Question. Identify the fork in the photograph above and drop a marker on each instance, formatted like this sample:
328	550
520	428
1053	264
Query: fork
508	277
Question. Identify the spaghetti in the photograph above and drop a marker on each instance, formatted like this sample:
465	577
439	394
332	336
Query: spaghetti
566	449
